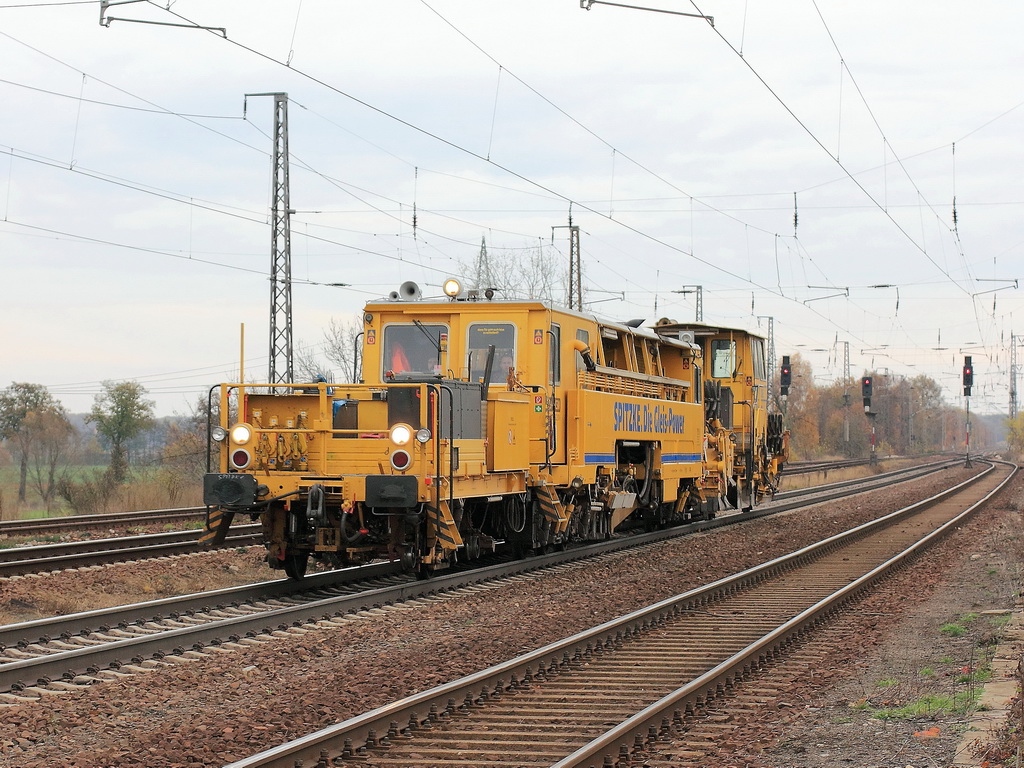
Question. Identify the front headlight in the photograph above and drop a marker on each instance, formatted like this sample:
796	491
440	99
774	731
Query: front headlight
241	434
422	435
219	434
401	434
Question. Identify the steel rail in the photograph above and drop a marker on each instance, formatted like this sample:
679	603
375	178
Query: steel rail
63	523
806	467
41	630
76	554
367	729
868	483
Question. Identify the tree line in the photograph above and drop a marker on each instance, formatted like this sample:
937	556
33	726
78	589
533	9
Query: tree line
48	450
908	416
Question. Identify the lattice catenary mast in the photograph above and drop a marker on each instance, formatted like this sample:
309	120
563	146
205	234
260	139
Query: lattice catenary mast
281	355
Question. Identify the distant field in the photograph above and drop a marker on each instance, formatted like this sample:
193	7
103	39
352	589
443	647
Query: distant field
143	491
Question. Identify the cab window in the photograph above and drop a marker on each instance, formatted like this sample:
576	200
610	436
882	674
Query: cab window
502	336
555	359
723	358
413	348
760	369
582	335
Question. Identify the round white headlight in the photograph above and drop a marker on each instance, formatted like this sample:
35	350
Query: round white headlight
422	435
241	434
452	287
219	434
401	434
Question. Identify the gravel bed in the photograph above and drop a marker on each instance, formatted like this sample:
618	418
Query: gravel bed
220	708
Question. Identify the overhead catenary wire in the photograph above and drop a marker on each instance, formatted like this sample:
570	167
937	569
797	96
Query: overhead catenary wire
775	238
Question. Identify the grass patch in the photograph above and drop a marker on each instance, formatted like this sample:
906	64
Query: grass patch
958	627
889	682
982	675
930	706
998	622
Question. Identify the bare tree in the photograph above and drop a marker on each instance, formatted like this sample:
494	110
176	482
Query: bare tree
52	448
341	347
529	273
17	402
308	367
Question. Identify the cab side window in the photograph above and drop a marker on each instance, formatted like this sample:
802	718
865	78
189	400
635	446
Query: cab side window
502	336
555	354
723	358
760	369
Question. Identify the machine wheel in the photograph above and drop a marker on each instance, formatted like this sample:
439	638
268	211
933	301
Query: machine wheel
425	572
295	565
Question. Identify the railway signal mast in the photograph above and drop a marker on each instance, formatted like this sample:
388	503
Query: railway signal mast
785	380
865	391
968	383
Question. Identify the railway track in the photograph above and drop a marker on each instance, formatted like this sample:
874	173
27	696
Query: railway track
42	526
51	557
613	695
80	648
806	467
77	554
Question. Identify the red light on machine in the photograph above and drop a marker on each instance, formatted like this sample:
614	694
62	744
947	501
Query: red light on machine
400	460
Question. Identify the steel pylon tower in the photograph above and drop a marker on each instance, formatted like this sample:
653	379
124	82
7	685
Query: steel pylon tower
281	356
699	290
1013	374
575	269
575	292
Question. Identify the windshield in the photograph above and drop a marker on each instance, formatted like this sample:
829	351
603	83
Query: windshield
413	348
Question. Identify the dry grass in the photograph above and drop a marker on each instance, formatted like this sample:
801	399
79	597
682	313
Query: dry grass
151	494
141	494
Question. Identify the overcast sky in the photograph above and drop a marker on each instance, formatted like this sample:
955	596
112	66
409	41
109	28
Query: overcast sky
789	159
